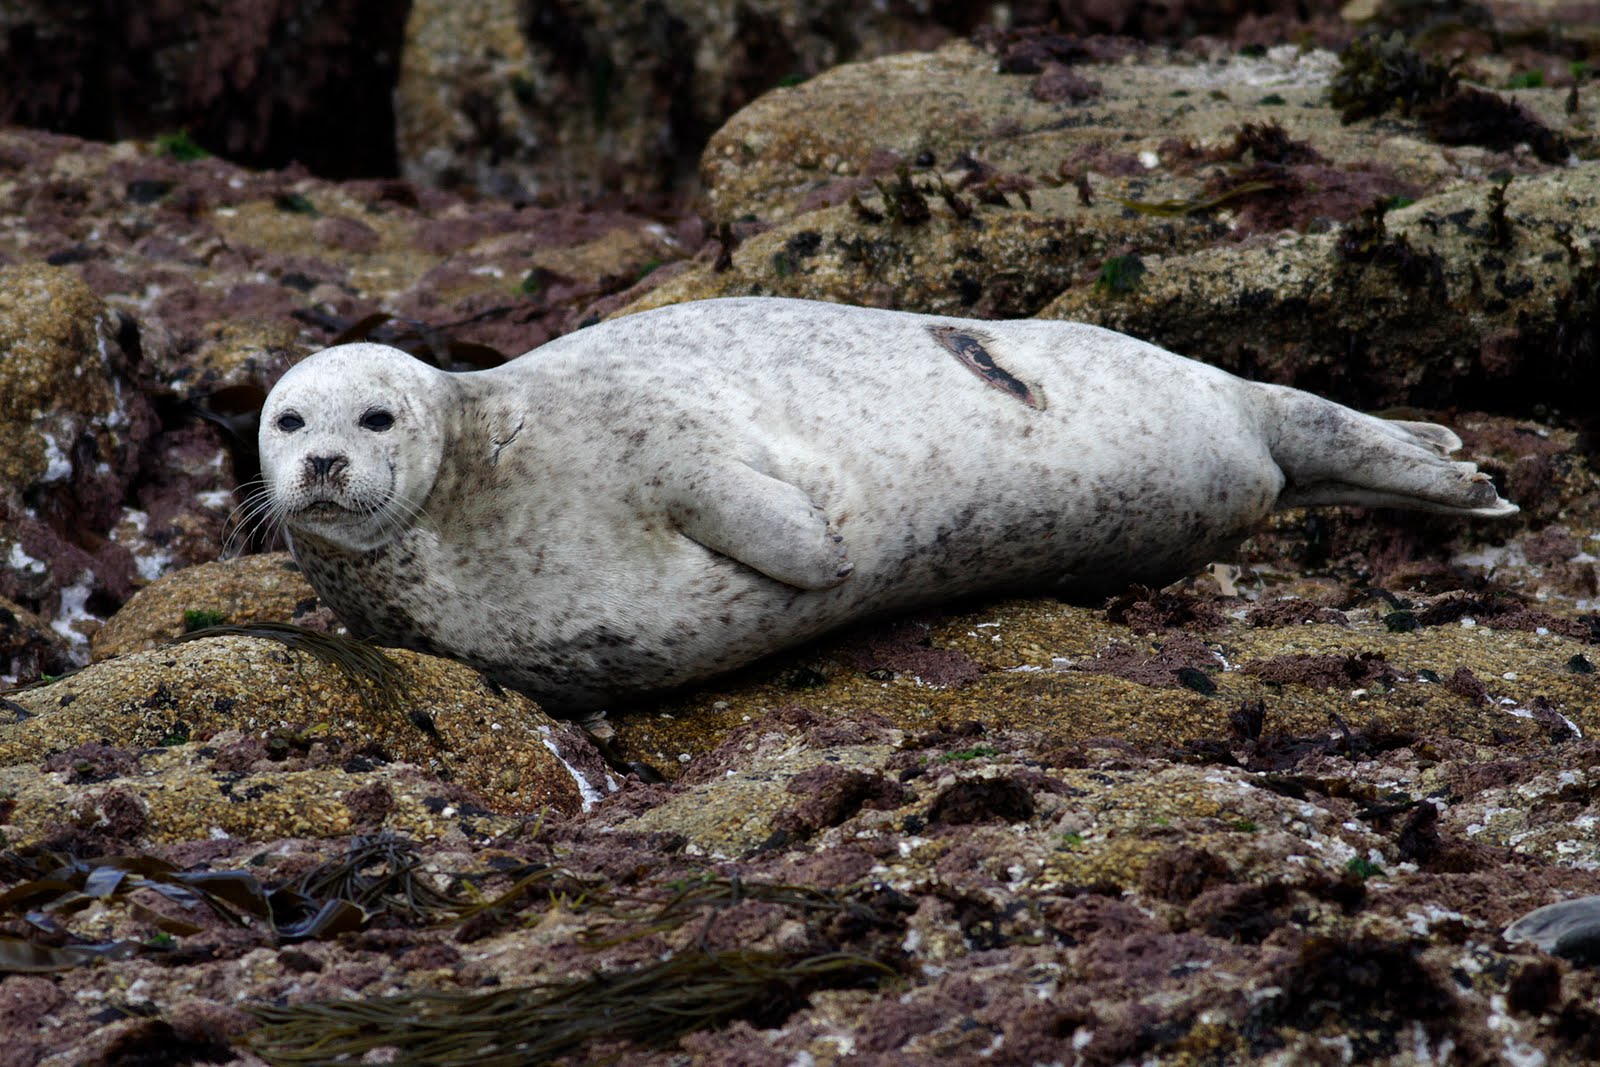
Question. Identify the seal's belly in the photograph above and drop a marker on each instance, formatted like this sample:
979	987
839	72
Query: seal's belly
579	620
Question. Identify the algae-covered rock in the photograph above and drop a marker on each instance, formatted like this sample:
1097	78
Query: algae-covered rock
73	425
1482	296
401	707
584	99
236	789
1217	206
1070	675
266	587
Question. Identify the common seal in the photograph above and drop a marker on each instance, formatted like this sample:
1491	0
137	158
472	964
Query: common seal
655	499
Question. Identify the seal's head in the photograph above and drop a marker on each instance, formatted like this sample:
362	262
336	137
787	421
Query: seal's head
351	440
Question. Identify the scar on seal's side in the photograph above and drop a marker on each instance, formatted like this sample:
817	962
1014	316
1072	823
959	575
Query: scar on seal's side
655	499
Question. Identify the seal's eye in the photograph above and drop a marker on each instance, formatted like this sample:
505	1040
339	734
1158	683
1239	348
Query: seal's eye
377	420
289	422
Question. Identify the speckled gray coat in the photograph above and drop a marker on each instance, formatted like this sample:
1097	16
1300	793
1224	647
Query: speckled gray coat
661	497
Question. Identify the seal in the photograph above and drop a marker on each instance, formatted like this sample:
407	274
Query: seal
649	501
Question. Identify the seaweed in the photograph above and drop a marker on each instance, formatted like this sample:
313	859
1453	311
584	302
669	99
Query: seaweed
726	243
1176	208
376	677
958	205
556	883
979	800
1196	679
57	886
1367	242
378	873
1379	982
652	1005
1269	142
1120	275
201	618
903	202
181	146
1476	117
295	204
1378	73
863	212
1500	235
989	185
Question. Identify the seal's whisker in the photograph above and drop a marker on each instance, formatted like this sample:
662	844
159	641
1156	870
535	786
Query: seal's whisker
401	515
251	491
252	516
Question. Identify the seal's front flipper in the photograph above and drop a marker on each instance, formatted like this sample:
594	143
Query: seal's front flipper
1330	454
766	524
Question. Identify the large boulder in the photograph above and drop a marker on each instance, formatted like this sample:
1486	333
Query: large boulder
563	99
263	83
1216	205
73	428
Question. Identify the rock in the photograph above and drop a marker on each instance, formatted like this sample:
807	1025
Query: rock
68	448
996	263
72	430
1284	807
1020	889
187	288
29	648
232	274
1439	306
436	714
1123	199
263	84
743	807
584	99
1159	129
1041	665
1568	928
266	587
226	358
191	792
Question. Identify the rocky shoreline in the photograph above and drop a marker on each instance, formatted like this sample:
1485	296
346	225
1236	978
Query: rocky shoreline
1279	813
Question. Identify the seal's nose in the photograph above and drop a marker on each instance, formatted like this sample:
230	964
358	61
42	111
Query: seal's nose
325	467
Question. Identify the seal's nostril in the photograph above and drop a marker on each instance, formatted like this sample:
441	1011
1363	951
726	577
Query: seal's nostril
326	466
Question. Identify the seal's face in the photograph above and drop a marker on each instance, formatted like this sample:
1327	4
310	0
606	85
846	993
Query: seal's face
350	444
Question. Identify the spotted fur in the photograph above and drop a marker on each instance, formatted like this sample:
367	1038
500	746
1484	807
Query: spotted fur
649	501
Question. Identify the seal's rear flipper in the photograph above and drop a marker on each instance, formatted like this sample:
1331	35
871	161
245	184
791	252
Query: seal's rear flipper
1472	494
1439	439
1330	454
762	522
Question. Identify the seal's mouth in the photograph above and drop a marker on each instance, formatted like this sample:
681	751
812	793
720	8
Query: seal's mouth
323	509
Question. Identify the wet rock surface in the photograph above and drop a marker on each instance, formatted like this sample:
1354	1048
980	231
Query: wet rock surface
1282	812
586	99
399	707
